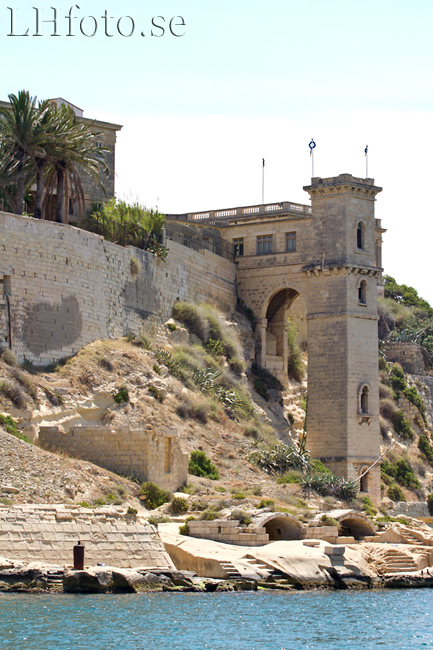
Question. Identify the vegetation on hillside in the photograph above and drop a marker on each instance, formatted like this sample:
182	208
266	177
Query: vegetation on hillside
405	316
129	225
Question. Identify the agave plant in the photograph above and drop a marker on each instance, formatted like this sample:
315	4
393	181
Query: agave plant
205	378
330	485
280	458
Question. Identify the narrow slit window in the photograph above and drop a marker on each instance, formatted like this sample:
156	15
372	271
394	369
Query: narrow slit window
360	236
362	293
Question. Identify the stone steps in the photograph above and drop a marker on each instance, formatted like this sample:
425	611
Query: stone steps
230	570
397	562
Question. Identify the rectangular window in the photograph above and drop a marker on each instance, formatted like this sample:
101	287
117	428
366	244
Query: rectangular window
290	242
239	246
264	245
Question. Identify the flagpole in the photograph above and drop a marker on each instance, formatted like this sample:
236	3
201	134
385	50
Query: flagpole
366	160
263	181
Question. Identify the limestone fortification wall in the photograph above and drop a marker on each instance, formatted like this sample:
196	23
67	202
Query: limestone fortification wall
49	532
409	355
148	455
68	287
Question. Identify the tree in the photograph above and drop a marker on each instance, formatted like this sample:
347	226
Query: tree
22	139
73	149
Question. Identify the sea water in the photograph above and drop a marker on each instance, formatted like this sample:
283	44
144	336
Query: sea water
247	621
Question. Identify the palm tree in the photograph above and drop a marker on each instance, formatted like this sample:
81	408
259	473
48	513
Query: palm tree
73	150
22	139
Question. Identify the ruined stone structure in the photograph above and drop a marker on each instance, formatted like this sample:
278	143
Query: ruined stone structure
148	455
318	264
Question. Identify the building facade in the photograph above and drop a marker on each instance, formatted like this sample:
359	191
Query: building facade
321	266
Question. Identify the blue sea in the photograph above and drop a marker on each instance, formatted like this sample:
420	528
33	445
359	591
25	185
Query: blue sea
248	621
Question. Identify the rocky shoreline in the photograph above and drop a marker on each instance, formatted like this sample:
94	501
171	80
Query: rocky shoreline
38	577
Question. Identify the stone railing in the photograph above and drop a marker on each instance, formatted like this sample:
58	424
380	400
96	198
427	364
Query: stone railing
230	214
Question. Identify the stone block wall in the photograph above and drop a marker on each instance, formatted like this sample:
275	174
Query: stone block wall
229	532
69	287
149	455
408	355
410	508
49	532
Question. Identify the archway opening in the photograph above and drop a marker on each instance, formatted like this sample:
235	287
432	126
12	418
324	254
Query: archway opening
279	528
285	319
355	527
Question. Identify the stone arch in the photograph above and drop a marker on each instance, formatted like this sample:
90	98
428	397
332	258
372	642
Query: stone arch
274	325
364	399
281	526
354	524
362	292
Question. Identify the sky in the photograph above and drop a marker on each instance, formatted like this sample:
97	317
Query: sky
214	86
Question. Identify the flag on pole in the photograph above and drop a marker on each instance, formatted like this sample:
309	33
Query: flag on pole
366	149
263	162
312	146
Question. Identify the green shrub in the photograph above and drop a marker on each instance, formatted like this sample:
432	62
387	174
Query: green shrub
292	476
241	516
156	369
9	424
155	392
153	496
395	493
317	467
158	519
179	505
425	447
368	507
216	348
131	511
397	378
172	327
326	520
201	465
184	529
430	503
122	395
402	426
402	472
266	503
209	514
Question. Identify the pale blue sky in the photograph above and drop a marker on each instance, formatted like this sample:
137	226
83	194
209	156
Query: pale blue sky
250	79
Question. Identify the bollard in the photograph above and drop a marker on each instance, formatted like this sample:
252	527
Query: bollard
79	556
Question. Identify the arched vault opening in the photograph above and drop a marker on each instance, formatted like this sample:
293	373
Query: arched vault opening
285	304
281	526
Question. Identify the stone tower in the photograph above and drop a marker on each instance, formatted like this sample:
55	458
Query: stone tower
343	386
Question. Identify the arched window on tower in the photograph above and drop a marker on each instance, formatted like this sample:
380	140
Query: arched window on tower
363	400
360	236
364	406
362	293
